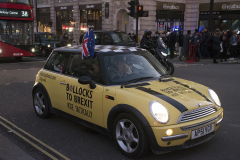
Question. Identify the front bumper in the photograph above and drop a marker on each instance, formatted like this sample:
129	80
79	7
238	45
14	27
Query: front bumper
181	137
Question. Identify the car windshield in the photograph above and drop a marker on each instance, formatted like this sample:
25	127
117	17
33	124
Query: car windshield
48	37
124	67
120	37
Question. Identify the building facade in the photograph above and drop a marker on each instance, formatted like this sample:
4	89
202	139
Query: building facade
75	16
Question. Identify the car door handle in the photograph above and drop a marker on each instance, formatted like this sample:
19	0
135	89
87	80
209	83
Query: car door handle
63	83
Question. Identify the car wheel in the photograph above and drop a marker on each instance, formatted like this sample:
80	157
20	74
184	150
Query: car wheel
130	136
171	68
18	58
41	103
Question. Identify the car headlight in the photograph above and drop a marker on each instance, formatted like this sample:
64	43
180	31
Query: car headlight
214	97
48	45
69	45
164	54
33	49
159	112
0	51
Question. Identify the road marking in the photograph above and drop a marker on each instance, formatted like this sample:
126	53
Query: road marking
34	145
29	135
7	84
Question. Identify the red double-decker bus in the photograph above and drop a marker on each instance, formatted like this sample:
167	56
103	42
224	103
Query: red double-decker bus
16	28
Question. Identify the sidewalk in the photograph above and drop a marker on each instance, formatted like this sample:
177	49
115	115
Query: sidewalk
202	61
10	151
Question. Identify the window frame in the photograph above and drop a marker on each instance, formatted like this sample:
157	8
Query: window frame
68	63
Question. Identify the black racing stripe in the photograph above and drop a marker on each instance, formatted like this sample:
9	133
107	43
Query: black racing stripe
193	90
137	85
169	100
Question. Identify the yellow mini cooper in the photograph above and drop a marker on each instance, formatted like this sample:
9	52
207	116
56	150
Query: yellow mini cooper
126	94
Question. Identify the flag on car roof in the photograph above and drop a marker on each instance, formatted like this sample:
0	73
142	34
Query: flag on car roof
91	43
85	51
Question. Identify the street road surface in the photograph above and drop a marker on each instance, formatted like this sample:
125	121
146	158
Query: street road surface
60	138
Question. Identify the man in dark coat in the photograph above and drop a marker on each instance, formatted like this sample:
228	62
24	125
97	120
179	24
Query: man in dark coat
146	39
205	41
186	41
172	41
64	39
180	43
197	38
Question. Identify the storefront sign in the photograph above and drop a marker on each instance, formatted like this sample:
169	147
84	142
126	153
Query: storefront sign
90	6
229	6
107	10
90	26
165	6
171	6
5	12
63	7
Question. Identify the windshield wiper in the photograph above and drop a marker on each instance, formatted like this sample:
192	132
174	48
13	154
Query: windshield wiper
135	80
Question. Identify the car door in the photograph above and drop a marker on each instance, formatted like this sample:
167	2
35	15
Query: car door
79	99
54	78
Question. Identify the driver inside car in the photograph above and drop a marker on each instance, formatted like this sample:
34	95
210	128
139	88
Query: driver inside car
120	70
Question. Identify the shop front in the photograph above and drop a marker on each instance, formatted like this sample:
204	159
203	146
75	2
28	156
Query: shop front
225	16
64	20
170	16
43	19
90	17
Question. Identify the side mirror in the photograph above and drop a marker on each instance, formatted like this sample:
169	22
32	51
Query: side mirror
87	80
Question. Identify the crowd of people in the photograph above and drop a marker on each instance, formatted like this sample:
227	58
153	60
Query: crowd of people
218	44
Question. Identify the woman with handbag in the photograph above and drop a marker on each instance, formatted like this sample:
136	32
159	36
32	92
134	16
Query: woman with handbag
216	45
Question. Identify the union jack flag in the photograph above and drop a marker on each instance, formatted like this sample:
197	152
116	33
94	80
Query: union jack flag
85	51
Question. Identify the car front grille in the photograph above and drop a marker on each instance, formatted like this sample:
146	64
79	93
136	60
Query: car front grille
197	114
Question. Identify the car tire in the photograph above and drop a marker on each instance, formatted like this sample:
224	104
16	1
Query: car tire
18	58
129	136
171	68
41	103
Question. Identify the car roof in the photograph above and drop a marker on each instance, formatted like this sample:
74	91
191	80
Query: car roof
100	49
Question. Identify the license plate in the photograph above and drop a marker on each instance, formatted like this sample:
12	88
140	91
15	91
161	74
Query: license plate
202	131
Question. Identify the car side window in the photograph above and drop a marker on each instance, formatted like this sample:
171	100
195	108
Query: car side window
87	67
106	40
37	39
97	37
58	62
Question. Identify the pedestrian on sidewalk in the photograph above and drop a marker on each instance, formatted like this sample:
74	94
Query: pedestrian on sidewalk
172	41
216	45
186	41
238	47
197	38
205	41
180	43
225	46
233	43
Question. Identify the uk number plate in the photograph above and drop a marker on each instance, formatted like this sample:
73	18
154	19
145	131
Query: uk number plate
202	131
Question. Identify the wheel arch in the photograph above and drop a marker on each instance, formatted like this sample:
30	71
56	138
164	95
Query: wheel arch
41	86
124	108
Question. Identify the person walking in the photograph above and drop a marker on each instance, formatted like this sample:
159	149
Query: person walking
180	43
205	41
197	38
233	43
172	41
225	46
186	41
216	45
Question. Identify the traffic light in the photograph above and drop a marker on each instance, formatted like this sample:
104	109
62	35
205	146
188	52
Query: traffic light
131	8
142	13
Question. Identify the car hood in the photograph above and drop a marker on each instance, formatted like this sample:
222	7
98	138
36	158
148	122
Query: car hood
179	94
